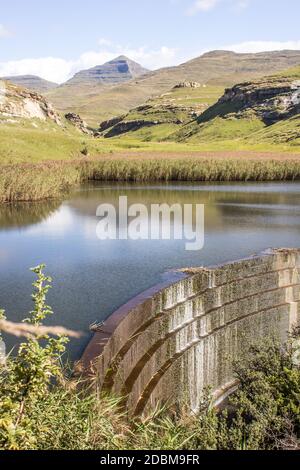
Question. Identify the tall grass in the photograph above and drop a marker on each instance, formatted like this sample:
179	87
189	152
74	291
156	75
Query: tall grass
35	182
26	182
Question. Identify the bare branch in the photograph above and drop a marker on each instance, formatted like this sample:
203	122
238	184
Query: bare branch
26	330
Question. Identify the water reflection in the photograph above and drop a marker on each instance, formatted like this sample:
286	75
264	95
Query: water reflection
24	213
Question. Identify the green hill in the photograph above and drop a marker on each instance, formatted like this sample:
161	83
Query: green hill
262	111
162	116
267	109
97	102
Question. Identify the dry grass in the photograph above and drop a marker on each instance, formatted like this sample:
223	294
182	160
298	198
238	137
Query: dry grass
28	182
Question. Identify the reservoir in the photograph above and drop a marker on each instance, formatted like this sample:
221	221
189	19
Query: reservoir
92	278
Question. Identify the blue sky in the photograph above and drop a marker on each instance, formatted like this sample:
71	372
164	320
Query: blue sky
56	38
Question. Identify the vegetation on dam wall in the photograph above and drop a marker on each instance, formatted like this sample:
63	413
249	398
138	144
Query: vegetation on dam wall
32	182
41	407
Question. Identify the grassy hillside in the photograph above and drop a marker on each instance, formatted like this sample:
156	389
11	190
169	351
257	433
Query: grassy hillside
32	141
221	68
163	115
187	121
265	111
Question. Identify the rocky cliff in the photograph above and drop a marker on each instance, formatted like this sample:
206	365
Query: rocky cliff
271	99
16	103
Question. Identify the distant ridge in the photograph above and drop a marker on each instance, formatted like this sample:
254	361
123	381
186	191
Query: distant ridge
32	82
96	102
119	70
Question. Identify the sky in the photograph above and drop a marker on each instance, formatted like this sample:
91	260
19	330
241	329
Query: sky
56	38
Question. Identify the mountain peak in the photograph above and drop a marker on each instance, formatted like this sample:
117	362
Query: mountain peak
121	58
118	70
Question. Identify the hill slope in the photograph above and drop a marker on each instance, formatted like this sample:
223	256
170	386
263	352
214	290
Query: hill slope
165	114
32	82
264	109
31	129
221	68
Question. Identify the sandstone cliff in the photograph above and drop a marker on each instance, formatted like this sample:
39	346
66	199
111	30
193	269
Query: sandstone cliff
271	99
19	103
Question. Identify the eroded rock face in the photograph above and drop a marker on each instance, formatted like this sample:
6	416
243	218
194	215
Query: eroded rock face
188	85
150	115
110	123
126	126
272	100
78	122
16	102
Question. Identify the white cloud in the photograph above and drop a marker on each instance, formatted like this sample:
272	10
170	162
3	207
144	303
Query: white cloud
104	42
202	5
242	4
4	33
207	5
59	70
49	68
263	46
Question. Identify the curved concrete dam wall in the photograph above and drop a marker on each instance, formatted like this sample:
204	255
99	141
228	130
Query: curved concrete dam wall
174	340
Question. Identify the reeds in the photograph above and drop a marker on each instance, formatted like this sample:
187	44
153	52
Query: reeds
27	182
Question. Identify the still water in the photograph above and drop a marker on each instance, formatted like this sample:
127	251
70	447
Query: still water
91	278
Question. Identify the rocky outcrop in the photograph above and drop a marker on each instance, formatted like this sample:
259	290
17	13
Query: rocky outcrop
149	115
78	122
127	126
270	99
188	85
17	102
110	123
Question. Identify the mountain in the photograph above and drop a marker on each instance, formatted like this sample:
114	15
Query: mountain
265	109
96	103
118	70
32	82
164	114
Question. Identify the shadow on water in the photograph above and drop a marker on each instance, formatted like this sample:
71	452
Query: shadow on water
22	214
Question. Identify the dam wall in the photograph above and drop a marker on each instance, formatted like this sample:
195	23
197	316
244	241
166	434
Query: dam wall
173	341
